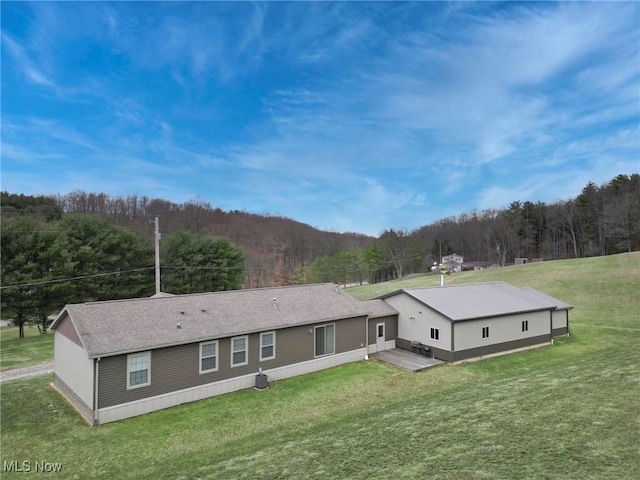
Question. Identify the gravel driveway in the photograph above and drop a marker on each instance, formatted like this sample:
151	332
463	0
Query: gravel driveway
25	372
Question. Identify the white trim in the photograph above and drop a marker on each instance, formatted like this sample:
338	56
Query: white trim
159	402
246	350
148	382
384	334
217	355
437	330
272	332
483	336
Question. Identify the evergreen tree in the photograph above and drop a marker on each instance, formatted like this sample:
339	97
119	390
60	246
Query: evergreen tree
193	263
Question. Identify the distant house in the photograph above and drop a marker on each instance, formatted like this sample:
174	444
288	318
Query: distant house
454	262
462	322
119	359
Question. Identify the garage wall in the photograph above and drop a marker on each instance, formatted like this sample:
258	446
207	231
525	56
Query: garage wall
508	328
73	367
419	327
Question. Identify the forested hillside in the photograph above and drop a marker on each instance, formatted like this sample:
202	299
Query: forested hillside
277	249
601	220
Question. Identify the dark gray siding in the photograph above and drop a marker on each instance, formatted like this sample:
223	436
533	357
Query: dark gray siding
560	331
448	356
499	347
403	344
390	328
438	353
177	368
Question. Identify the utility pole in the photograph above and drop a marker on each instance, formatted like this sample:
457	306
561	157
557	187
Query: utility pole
158	236
440	263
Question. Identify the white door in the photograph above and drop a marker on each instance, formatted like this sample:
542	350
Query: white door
380	338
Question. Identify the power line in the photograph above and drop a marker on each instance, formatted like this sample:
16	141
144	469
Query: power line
81	277
48	282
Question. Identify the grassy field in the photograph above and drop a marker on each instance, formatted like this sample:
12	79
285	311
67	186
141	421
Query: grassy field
17	352
570	411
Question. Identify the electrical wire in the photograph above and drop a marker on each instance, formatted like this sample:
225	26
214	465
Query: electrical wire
48	282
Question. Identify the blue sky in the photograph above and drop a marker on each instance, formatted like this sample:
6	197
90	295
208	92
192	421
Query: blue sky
346	116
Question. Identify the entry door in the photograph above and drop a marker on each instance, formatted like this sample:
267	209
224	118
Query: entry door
380	338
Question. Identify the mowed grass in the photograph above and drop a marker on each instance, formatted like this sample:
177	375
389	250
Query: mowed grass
18	352
570	411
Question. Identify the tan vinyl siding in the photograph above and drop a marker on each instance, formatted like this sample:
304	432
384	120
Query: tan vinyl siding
508	328
177	368
73	367
418	328
560	319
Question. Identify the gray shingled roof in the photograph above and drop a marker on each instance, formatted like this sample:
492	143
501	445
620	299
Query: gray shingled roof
379	308
481	300
122	326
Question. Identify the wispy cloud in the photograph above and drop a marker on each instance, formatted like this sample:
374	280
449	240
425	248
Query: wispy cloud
25	64
351	115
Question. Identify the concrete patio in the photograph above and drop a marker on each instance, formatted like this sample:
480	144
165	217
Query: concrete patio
407	360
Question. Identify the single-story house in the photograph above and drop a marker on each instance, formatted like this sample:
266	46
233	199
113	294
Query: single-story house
462	322
122	358
118	359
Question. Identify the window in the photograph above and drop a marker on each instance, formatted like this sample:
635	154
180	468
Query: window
325	340
435	334
525	325
485	332
209	357
267	346
239	351
138	370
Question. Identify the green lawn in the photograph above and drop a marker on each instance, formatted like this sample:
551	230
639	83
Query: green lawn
17	352
569	411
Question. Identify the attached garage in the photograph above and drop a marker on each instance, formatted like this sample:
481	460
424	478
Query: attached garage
462	322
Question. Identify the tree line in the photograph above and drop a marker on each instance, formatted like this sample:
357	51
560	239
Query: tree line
79	258
601	220
46	238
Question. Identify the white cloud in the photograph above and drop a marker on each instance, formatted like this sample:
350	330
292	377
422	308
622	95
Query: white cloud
25	64
368	115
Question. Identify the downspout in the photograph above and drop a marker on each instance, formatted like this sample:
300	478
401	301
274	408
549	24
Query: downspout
452	340
96	371
551	326
366	338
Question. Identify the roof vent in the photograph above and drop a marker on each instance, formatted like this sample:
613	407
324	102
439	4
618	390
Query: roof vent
178	326
203	311
274	303
181	312
336	288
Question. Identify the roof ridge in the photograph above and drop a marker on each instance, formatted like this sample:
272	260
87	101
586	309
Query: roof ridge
496	282
183	295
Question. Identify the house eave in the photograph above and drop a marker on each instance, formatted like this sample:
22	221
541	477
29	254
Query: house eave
498	315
